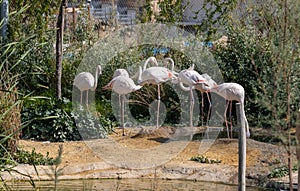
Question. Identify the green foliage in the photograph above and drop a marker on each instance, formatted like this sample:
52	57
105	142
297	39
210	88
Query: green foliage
49	120
261	56
53	120
147	12
32	158
37	68
170	11
203	159
91	126
216	15
33	20
281	171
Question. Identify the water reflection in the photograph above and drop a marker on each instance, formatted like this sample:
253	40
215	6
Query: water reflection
125	185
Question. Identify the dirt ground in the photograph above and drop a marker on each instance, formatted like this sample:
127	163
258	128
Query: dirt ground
226	150
91	159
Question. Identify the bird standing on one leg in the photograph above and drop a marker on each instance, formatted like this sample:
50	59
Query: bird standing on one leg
122	85
85	81
155	75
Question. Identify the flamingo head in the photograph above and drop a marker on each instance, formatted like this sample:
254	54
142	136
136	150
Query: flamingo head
153	60
99	69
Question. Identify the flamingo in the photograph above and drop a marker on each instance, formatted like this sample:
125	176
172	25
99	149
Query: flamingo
199	87
193	79
117	72
122	85
231	91
85	81
155	75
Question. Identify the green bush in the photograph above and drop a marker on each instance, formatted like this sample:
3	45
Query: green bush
49	120
203	159
33	158
281	172
91	126
53	120
262	55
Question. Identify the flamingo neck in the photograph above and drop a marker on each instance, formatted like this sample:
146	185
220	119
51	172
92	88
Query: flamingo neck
184	88
140	74
152	59
172	63
98	71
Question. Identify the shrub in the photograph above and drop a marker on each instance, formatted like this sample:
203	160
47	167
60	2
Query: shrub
281	172
33	158
91	126
49	120
53	120
203	159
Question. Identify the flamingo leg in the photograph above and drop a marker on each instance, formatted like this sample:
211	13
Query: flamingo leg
87	98
230	117
122	114
225	117
120	104
191	107
209	109
202	108
81	97
158	106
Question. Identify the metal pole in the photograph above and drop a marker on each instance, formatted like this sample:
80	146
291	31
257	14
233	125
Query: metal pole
242	149
4	17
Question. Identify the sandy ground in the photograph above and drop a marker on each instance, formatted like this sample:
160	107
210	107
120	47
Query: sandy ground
261	157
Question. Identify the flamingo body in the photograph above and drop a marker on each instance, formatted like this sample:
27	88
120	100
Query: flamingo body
156	75
117	73
85	81
124	85
193	79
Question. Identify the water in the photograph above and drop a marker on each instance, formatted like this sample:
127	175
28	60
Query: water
125	185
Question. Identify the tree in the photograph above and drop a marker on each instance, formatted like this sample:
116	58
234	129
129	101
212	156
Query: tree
264	42
59	51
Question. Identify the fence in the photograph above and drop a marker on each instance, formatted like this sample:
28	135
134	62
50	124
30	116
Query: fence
127	12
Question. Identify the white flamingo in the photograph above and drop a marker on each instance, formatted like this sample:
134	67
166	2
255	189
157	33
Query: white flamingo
85	81
123	85
117	72
190	77
155	75
210	82
193	79
231	91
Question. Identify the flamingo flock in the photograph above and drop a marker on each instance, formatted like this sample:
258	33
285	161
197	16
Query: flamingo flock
188	79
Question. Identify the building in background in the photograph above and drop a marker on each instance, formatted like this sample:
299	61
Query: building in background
125	11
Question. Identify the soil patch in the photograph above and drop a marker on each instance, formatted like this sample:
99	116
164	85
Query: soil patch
261	157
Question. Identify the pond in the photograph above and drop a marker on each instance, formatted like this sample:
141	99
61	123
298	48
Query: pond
126	185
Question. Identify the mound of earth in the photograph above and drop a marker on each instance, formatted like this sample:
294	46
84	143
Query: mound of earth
83	159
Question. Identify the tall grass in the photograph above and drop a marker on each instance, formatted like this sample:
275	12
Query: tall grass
10	100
